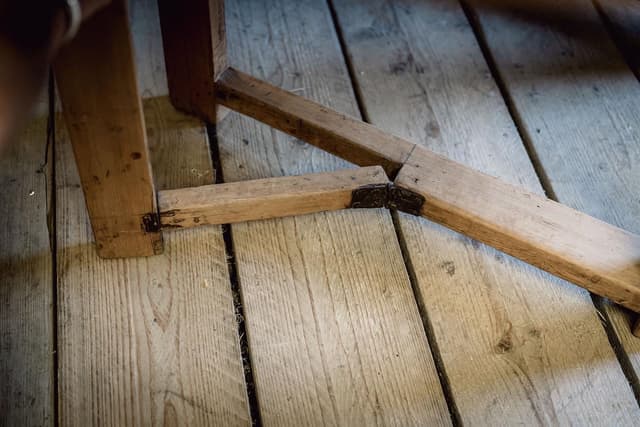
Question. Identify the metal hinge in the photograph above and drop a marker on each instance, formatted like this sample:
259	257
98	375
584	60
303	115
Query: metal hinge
387	196
151	222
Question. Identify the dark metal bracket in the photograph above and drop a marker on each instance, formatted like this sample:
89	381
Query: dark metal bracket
151	222
387	196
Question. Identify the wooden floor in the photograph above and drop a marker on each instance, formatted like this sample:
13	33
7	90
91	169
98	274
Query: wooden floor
361	317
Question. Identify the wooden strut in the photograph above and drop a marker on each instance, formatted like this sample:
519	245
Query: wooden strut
111	151
595	255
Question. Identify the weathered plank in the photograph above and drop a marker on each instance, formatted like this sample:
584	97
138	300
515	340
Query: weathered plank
516	343
333	329
107	133
582	117
147	340
265	198
26	281
622	18
337	133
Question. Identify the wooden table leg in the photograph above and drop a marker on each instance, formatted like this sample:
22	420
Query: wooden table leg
103	113
195	53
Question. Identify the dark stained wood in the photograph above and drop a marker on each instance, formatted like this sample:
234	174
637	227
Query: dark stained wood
195	54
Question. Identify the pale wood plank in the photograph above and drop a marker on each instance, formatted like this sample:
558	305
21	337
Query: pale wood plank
588	138
516	344
147	340
264	198
334	132
26	282
107	131
334	333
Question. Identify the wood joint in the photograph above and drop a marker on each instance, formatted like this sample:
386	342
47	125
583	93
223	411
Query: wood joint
387	196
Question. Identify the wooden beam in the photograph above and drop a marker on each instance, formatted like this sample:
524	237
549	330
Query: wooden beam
195	53
337	133
264	198
588	252
103	113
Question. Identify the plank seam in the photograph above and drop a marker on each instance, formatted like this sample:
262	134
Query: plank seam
445	384
234	280
52	224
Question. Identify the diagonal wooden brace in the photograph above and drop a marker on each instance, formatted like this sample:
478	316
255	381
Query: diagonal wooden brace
107	133
595	255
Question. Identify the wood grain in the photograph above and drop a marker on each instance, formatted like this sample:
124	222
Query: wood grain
147	341
567	243
106	126
581	118
334	333
195	53
264	198
518	346
26	280
334	132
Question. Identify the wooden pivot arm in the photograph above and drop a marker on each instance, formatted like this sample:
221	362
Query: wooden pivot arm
265	198
336	133
588	252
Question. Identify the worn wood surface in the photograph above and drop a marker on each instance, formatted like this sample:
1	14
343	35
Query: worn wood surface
581	118
195	53
517	345
154	340
147	340
106	126
333	330
264	198
334	132
26	281
623	22
565	242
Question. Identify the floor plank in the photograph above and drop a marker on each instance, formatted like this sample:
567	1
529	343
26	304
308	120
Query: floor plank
147	340
334	332
623	17
581	117
26	281
516	343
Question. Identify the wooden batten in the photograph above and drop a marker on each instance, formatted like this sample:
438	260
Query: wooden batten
97	84
570	244
265	198
339	134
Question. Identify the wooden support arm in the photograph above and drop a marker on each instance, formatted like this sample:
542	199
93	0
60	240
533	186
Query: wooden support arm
265	198
588	252
336	133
